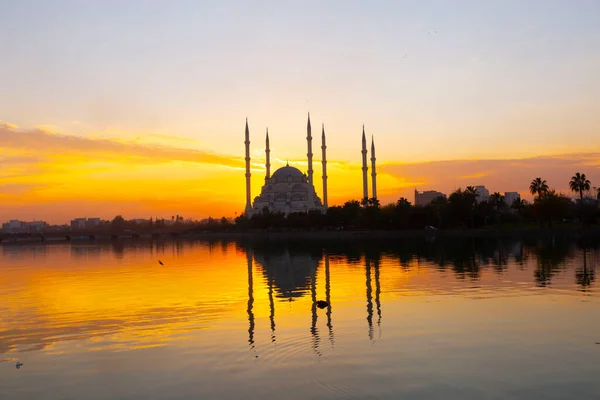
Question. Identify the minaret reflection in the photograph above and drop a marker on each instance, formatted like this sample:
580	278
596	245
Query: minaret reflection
271	310
369	297
328	298
377	293
313	327
250	300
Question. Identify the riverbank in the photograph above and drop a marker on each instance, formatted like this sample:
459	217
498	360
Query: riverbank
572	232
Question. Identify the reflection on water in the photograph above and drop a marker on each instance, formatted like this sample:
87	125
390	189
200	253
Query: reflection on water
510	318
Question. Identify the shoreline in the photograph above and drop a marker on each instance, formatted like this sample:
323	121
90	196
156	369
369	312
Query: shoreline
319	235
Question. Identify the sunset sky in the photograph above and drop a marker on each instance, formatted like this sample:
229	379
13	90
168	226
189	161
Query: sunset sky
138	107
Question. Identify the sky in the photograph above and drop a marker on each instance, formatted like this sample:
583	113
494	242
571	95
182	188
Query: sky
138	107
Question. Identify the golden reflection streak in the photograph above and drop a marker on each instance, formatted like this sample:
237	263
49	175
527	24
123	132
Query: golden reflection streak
328	298
271	310
369	297
377	294
250	301
314	331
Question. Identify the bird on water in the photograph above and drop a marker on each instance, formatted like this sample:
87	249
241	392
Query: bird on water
160	262
322	304
19	364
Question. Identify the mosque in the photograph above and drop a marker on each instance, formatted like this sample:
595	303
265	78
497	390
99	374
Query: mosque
289	190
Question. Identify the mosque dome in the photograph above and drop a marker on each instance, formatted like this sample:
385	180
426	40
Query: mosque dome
284	173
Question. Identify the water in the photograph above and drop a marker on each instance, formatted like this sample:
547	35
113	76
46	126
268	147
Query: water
406	319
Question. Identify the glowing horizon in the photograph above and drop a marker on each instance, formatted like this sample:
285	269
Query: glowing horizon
138	108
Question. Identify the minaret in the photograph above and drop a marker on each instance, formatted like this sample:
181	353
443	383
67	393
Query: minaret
247	143
309	154
364	167
373	173
268	162
324	163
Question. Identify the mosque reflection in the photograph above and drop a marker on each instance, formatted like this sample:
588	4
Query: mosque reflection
298	274
292	273
290	270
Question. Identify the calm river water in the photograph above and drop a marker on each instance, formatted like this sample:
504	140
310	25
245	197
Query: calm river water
465	319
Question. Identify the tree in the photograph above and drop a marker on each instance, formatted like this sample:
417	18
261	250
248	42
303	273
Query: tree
552	206
579	183
403	202
519	206
539	187
470	191
497	202
118	222
439	204
471	195
373	202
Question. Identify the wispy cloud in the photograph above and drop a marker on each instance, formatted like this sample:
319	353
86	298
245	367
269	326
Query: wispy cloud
7	125
43	142
17	189
498	175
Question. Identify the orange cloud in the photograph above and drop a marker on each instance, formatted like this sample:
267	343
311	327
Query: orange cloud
7	125
499	175
58	177
40	141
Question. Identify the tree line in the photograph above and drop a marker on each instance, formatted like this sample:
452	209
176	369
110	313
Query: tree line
461	209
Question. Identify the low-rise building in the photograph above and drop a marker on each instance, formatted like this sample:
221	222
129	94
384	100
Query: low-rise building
510	197
426	197
78	224
16	226
93	222
482	193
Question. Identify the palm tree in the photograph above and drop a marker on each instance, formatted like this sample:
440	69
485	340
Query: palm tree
471	195
538	186
519	205
579	183
497	201
471	191
439	203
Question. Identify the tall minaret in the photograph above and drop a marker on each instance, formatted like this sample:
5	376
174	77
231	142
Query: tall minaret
373	173
364	166
309	154
247	143
324	163
268	162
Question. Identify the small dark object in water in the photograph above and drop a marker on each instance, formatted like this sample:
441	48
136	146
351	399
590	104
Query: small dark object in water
597	342
19	364
322	304
160	262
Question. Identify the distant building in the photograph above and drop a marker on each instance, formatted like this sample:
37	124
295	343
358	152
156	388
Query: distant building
78	223
93	222
482	193
426	197
510	197
85	223
16	226
35	226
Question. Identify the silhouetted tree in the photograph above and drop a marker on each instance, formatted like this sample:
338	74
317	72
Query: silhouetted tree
578	184
551	206
118	223
497	202
539	187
